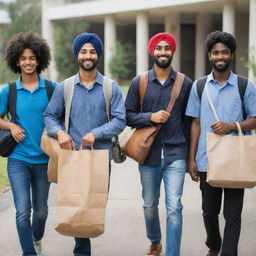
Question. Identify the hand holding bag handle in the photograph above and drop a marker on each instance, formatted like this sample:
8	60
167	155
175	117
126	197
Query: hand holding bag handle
139	143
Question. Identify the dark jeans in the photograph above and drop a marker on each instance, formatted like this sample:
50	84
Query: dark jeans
211	204
83	245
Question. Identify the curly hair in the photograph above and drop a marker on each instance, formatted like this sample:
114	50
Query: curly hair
220	37
27	40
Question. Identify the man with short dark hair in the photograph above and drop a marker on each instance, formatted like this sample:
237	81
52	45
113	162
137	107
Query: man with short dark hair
167	159
223	89
28	54
88	123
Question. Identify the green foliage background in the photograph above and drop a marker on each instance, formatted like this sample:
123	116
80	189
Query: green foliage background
122	64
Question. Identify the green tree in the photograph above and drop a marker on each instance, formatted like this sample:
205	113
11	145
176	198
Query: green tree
65	32
122	64
25	15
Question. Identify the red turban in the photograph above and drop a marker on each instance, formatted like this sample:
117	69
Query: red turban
153	42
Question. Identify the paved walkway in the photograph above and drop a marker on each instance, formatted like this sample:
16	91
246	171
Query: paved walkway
125	231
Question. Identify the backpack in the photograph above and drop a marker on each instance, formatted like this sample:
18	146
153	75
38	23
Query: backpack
13	95
118	156
242	85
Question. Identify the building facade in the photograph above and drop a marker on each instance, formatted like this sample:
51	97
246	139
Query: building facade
188	20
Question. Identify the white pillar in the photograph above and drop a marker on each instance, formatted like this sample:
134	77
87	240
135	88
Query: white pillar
141	42
109	41
202	28
172	26
252	34
228	17
48	34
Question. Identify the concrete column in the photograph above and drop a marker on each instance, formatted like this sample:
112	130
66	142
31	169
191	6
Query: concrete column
109	41
203	21
142	35
48	34
252	34
172	26
228	17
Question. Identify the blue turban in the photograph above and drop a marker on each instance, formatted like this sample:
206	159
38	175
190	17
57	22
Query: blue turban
90	38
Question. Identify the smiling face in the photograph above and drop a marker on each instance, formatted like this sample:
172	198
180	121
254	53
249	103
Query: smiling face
163	55
220	57
87	57
28	62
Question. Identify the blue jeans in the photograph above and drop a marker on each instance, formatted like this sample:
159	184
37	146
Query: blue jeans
173	176
23	176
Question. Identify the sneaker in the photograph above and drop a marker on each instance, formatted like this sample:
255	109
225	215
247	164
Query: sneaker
154	250
212	253
38	247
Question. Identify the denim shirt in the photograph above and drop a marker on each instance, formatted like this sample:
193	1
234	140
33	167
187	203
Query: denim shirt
172	137
87	113
227	102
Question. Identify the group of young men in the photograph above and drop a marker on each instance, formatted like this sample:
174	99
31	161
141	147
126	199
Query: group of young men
180	144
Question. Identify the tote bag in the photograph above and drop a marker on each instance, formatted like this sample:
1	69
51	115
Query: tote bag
231	159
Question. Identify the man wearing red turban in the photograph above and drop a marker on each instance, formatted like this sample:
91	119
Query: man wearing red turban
167	159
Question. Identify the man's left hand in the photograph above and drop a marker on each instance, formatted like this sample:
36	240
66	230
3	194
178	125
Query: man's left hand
221	128
88	140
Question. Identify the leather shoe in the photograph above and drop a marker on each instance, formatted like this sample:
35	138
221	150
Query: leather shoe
154	250
212	253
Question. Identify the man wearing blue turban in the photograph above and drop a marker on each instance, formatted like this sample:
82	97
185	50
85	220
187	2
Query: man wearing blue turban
89	125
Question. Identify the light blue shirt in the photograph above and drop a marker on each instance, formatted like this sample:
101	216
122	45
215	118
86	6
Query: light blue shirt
87	113
30	107
227	102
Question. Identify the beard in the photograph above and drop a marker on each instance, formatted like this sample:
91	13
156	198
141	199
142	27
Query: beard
88	68
163	64
221	68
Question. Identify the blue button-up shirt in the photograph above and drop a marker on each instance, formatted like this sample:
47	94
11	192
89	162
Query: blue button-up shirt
87	113
172	137
29	115
227	102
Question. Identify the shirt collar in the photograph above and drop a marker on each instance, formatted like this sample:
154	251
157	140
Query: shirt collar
98	80
232	80
152	75
19	85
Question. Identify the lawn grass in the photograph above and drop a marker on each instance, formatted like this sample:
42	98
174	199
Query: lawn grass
4	181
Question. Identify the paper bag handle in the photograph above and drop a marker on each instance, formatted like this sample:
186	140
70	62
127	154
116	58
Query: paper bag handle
239	129
81	147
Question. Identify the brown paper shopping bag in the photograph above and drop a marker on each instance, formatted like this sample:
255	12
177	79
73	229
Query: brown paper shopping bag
51	147
231	160
83	178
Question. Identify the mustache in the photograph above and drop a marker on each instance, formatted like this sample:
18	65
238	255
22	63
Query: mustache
163	55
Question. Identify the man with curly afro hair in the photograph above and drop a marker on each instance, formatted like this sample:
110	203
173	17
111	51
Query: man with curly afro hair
28	54
231	106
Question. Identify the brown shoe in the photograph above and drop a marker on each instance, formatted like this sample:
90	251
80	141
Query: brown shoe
154	250
212	253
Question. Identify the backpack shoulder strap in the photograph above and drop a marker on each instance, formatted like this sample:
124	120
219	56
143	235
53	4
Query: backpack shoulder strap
12	99
49	88
68	96
107	91
143	84
242	85
200	86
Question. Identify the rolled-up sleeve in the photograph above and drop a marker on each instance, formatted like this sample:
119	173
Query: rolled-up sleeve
250	100
54	112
